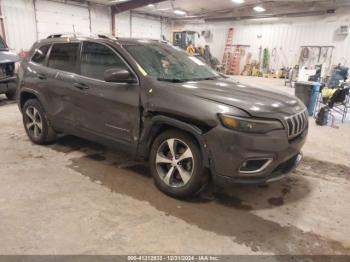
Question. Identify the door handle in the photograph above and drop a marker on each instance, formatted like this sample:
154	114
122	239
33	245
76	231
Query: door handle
41	76
81	86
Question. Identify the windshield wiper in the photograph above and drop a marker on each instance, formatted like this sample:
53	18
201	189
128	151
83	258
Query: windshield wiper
172	80
177	80
207	78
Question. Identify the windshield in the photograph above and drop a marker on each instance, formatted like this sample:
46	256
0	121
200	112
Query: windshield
168	63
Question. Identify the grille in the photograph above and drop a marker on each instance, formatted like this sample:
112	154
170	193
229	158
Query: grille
297	123
6	70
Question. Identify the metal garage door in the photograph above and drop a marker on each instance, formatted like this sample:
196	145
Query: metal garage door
146	27
101	19
53	17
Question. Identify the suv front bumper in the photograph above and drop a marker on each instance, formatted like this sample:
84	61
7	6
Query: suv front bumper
229	149
8	84
8	80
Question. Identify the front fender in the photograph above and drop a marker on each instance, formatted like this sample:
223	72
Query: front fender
157	124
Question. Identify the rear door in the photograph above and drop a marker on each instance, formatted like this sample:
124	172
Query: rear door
109	110
32	73
60	76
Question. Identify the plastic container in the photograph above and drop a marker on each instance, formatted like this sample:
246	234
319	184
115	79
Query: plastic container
303	91
313	99
308	92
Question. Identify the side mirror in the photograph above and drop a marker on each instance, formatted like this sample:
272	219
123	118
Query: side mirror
119	75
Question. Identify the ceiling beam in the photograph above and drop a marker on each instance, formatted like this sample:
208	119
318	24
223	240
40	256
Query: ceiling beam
129	5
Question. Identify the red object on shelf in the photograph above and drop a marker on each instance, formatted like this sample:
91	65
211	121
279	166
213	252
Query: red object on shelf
23	54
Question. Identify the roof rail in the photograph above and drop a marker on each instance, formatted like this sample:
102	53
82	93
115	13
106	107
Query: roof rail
105	36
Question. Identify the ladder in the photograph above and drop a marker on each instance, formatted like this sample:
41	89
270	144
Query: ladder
227	59
236	61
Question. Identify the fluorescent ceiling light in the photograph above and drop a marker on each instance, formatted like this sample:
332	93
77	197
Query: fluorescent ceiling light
259	9
238	1
150	5
117	1
179	12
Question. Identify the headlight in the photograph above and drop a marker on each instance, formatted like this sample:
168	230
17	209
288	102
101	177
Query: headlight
250	124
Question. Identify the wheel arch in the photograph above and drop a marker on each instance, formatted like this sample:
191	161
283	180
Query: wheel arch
25	95
159	124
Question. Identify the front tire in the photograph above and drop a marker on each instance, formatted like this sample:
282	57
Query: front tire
176	164
36	123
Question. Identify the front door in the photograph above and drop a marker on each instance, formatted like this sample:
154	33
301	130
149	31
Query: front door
107	109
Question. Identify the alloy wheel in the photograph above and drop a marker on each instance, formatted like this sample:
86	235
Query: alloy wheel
174	162
33	122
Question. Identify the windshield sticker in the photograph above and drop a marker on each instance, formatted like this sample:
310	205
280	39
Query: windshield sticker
141	70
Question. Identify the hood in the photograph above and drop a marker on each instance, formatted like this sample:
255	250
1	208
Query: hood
8	57
257	102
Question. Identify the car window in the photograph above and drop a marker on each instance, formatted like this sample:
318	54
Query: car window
166	62
63	56
40	54
97	58
2	44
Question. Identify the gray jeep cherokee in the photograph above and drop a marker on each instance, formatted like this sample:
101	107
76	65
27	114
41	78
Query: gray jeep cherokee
8	78
154	101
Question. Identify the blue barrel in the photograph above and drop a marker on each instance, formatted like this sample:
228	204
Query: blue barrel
313	99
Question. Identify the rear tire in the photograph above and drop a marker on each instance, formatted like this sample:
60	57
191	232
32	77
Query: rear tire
36	124
11	95
178	172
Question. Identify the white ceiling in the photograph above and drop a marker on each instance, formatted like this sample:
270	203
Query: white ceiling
227	8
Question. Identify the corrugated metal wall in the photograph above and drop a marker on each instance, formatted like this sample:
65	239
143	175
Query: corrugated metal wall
287	39
286	36
146	27
101	19
19	21
53	17
129	24
122	24
24	24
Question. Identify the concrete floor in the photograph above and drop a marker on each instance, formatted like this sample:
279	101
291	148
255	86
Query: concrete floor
77	197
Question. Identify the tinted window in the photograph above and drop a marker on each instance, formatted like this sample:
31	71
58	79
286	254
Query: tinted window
64	56
2	44
40	54
97	58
